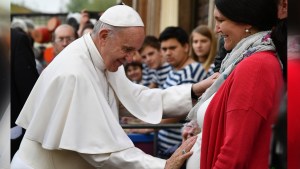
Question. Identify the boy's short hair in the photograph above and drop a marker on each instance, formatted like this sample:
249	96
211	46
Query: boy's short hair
133	64
174	32
150	41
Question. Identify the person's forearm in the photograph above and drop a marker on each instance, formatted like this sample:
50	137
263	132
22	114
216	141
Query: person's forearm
199	88
177	100
132	158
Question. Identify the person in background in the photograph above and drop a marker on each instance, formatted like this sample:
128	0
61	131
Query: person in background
222	52
27	26
39	58
134	72
84	20
237	111
63	35
23	77
152	57
175	48
72	114
203	46
158	70
148	75
88	28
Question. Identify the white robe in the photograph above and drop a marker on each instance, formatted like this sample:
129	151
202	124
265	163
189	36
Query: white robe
74	107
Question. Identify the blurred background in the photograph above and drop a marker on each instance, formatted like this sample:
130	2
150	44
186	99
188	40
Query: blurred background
156	14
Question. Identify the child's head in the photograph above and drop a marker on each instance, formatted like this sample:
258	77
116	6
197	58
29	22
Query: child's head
150	52
133	71
203	45
175	46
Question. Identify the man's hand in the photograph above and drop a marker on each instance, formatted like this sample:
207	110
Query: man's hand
181	154
200	87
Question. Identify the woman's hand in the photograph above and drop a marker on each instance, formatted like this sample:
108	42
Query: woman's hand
181	154
190	129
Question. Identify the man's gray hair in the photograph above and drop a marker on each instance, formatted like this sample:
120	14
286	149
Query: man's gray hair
101	25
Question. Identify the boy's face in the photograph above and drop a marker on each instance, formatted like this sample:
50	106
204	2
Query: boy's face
134	73
174	52
152	57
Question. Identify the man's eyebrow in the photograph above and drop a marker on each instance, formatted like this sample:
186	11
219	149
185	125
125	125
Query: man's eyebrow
128	48
169	47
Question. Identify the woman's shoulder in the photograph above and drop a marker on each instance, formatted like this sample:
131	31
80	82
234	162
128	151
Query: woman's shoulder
259	63
264	58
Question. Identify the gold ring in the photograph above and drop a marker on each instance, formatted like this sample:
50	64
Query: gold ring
183	151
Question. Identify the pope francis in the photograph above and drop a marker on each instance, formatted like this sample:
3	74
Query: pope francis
71	116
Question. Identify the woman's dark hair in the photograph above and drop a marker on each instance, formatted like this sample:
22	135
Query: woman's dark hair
279	37
261	14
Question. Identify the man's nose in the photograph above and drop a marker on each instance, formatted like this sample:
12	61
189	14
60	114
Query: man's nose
129	58
65	42
147	60
168	52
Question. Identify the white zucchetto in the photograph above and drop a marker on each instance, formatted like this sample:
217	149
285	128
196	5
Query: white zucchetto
121	16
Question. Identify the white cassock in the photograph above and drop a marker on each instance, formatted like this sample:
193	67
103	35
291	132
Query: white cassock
72	114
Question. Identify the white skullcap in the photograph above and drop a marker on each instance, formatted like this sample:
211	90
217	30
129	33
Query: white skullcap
121	16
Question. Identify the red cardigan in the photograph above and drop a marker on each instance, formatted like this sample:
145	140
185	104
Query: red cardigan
293	114
237	124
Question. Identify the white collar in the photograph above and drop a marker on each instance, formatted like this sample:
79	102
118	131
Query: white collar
94	53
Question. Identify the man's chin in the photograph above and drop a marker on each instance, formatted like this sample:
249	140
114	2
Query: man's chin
113	69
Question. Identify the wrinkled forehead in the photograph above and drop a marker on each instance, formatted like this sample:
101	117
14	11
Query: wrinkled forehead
65	32
132	37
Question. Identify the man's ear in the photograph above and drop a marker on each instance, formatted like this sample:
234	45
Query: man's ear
103	34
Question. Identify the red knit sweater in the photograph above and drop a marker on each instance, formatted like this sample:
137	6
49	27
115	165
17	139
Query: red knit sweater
237	125
293	114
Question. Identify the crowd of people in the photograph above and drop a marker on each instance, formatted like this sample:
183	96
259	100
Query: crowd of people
226	90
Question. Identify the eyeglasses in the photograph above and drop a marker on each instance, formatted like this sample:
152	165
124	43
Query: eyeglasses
67	39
